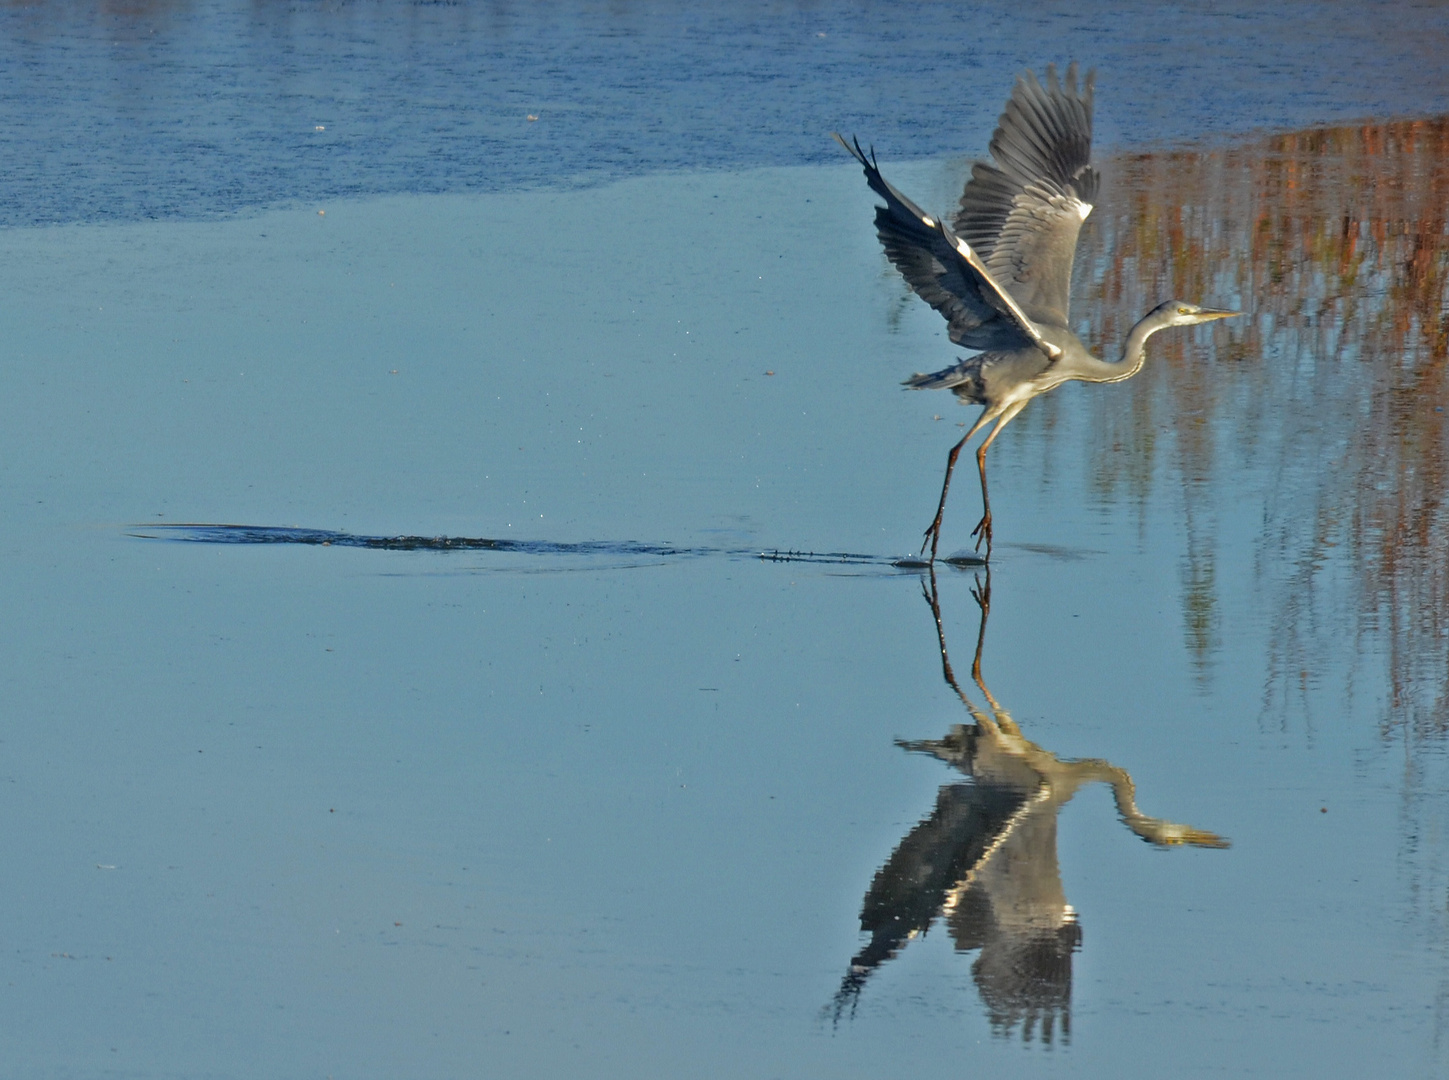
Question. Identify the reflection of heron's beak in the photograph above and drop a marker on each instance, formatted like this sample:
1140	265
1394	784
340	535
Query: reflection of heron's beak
1170	834
1207	314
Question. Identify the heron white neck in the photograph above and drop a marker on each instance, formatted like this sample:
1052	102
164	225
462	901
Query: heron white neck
1134	352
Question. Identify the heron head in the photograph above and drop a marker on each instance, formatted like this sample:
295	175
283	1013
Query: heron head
1181	313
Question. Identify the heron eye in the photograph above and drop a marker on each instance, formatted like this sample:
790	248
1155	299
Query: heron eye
1182	311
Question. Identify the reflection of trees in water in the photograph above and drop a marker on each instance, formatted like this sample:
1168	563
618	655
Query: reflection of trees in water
1325	406
1335	241
984	861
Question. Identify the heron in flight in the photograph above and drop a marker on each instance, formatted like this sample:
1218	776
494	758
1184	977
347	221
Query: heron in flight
1001	274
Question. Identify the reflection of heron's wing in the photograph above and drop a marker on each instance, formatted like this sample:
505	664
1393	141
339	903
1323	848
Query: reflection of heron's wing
946	273
909	890
1023	213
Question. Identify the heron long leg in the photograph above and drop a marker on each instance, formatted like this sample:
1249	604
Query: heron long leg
983	527
933	533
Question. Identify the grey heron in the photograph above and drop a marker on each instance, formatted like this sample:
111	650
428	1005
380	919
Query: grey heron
1001	274
985	861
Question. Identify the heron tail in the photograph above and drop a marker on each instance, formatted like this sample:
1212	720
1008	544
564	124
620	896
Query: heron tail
964	378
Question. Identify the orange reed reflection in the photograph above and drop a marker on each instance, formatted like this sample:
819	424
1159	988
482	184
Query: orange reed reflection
1331	398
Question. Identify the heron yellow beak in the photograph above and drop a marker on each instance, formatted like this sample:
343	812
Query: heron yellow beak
1207	314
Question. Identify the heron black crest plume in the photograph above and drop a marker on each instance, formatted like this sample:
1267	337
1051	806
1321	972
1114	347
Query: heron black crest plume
1001	273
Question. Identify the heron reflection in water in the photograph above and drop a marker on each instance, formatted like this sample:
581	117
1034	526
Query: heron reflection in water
1002	275
985	860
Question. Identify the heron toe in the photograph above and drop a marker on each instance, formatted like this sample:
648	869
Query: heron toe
932	537
983	532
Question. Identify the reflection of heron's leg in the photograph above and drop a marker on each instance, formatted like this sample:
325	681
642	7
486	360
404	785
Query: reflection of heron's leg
982	595
933	599
1002	723
933	534
983	527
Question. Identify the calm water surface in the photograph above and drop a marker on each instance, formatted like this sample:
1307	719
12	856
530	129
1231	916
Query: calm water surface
615	797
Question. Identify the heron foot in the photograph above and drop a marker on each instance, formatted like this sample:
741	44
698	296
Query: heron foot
982	532
932	538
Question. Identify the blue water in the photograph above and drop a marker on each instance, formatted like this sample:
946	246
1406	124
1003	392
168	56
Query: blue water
608	794
200	109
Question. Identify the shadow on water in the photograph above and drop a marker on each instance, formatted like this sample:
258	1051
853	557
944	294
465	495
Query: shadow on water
269	534
985	860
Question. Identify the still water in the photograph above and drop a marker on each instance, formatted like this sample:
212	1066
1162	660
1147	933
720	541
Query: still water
601	792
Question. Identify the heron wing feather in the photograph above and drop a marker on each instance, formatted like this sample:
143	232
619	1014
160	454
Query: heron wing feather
956	282
1023	213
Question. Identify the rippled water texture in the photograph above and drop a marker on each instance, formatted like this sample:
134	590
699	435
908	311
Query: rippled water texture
195	108
393	681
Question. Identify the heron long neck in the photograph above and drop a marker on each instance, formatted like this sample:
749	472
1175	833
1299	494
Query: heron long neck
1134	352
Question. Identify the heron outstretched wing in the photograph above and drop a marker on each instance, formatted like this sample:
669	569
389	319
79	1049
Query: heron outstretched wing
1023	213
946	273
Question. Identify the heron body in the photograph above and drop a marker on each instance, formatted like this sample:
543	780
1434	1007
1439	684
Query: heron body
1001	274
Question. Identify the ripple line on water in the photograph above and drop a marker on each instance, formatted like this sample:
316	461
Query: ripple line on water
202	533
